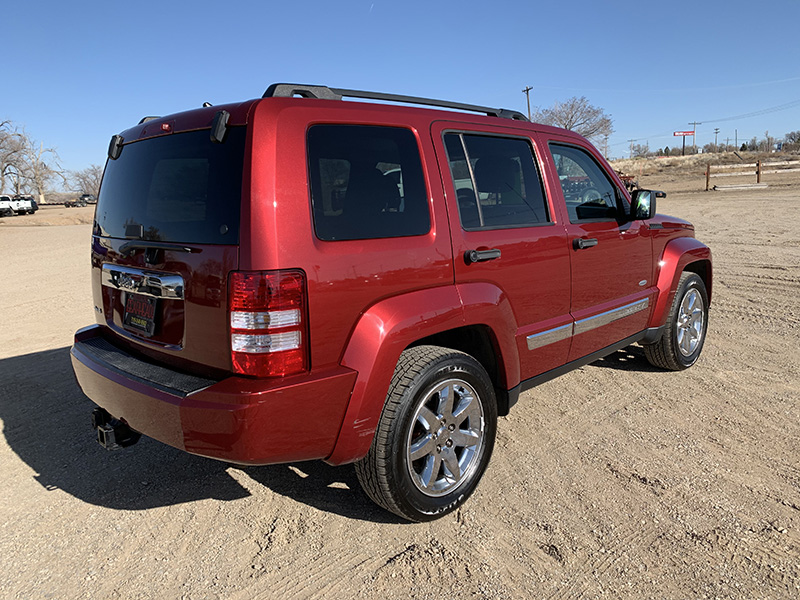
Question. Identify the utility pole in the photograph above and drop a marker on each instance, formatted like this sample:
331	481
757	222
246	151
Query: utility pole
527	92
736	143
716	131
694	125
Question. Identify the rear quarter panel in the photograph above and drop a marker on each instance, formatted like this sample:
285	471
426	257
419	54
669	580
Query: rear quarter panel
345	278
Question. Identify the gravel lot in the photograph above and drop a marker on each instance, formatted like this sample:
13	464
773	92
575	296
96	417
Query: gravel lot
615	481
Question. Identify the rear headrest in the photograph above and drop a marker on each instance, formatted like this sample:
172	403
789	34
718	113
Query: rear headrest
496	174
369	192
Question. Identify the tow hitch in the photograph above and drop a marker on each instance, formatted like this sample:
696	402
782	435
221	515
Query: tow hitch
112	434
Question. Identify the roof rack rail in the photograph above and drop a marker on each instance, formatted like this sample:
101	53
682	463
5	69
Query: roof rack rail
289	90
146	119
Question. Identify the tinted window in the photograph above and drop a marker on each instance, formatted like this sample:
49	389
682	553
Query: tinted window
366	182
179	188
588	192
496	181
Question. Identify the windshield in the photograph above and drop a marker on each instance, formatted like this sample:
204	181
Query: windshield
175	188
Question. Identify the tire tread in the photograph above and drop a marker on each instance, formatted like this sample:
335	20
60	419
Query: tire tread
372	470
662	354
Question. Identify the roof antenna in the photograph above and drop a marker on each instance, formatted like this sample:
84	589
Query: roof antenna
207	104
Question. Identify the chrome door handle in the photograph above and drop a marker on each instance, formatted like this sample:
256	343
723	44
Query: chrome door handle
473	256
583	243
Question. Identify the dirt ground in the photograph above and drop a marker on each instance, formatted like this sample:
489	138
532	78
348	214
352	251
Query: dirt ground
48	215
614	481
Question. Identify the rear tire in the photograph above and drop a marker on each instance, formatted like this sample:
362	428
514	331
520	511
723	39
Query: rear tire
435	435
685	331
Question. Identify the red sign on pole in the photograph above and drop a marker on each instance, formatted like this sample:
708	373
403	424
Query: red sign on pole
683	133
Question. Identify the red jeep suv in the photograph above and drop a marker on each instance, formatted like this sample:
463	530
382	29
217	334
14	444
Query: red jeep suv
302	277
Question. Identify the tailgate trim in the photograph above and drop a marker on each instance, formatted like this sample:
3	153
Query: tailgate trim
146	283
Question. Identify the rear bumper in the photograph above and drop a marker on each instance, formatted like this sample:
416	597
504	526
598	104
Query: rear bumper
236	419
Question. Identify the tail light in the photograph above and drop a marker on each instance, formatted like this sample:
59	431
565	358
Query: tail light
268	323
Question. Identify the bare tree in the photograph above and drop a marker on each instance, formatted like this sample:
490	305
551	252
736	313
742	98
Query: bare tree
26	164
640	150
42	167
12	154
768	142
87	180
792	141
579	116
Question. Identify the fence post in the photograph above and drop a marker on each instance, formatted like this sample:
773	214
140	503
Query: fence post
758	172
708	175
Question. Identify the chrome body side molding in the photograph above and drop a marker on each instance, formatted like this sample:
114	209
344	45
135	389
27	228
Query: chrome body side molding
551	336
610	316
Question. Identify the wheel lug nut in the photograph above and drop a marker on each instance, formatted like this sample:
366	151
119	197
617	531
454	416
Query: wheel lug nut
438	448
451	427
449	443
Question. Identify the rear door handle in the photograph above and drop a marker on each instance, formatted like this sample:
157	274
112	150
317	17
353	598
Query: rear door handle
583	243
473	256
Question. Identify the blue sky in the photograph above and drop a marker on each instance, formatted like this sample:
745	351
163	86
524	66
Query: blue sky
82	71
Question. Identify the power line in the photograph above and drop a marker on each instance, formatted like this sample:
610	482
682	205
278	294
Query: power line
527	93
763	111
663	89
694	125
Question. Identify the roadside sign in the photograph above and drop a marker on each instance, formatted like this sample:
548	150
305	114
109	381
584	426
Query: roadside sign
683	133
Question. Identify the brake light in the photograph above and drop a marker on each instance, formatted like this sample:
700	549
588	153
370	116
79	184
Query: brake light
267	316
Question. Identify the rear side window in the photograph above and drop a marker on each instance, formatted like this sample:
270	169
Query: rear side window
496	181
366	182
175	188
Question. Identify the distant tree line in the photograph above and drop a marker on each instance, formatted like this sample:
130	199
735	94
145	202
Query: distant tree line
28	166
789	143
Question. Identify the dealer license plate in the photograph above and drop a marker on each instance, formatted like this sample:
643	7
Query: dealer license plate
140	314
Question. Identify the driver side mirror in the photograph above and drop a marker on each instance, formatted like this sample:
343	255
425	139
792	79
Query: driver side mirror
643	204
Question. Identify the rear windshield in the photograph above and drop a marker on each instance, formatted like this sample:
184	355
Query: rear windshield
175	188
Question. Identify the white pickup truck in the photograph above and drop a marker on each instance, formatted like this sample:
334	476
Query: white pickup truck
5	206
18	204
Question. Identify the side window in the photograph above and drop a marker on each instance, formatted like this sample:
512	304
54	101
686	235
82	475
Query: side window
496	181
588	192
366	182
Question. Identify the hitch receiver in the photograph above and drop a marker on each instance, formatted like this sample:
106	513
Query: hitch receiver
112	434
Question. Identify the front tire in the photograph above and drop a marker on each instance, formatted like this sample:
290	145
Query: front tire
435	435
591	196
685	331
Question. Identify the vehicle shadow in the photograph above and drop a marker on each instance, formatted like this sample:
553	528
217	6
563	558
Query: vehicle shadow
630	358
332	489
46	422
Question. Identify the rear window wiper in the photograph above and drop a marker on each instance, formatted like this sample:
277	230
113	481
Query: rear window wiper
130	247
